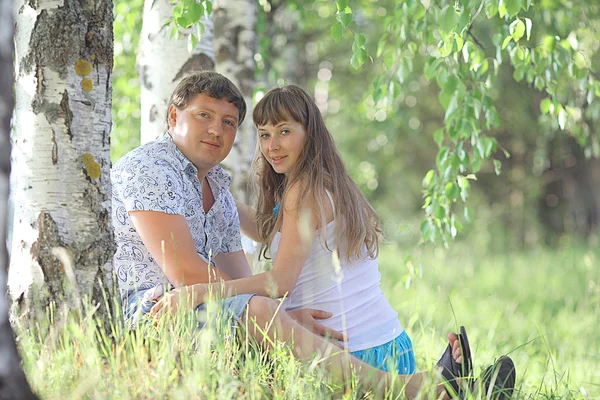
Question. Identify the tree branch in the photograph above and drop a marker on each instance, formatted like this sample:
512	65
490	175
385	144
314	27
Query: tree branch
477	13
477	42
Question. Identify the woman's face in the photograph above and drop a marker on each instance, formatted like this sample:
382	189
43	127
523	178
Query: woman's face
281	144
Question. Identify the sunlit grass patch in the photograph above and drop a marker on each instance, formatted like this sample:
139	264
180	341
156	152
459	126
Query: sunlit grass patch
541	307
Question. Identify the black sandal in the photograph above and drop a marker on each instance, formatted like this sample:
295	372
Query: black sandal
504	374
452	371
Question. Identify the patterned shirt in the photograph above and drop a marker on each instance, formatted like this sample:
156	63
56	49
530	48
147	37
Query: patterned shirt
158	177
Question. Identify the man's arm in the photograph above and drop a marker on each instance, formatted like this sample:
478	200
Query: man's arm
168	238
233	264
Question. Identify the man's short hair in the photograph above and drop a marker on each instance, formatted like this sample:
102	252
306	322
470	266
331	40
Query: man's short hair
211	84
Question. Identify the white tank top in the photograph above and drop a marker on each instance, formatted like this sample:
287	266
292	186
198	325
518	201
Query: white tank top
353	295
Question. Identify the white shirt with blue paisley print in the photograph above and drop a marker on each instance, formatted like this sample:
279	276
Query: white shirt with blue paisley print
158	177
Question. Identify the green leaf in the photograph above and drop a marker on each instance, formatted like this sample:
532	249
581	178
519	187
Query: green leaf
359	39
194	12
517	30
336	31
580	60
463	183
513	7
477	108
520	53
490	145
381	45
426	203
341	4
192	42
209	7
480	146
420	11
448	19
177	11
428	178
431	67
518	74
438	136
346	19
452	191
397	89
440	212
452	106
528	26
200	29
497	166
362	56
506	42
183	21
457	224
450	84
358	58
502	9
459	42
388	59
545	105
442	156
428	230
174	30
548	43
445	46
562	118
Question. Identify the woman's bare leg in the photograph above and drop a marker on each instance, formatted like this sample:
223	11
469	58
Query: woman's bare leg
262	317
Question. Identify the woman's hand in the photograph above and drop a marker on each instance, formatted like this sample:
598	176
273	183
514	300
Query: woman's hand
307	317
185	298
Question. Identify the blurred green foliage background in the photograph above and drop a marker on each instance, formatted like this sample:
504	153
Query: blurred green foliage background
548	189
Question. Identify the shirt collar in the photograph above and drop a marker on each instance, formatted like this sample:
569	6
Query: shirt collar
216	173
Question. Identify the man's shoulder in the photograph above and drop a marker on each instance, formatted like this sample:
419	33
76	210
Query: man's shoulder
159	152
219	175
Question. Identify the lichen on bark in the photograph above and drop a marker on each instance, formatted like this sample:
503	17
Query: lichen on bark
70	33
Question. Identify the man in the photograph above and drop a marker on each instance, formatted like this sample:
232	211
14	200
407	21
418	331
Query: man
176	225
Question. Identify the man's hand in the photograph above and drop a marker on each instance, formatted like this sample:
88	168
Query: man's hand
307	318
185	298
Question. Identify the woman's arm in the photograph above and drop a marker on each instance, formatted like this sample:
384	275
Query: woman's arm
248	220
297	233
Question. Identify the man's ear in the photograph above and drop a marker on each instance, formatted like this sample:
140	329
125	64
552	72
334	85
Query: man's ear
172	116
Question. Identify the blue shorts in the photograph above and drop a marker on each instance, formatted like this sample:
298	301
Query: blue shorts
140	303
396	355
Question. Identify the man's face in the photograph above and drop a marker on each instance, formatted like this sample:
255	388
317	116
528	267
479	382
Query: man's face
204	130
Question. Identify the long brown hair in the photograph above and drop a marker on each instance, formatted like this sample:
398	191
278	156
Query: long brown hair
319	169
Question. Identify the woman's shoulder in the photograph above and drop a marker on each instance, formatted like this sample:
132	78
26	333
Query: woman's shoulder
301	197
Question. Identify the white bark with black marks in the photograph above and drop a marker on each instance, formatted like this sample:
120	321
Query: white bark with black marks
163	62
61	148
235	47
13	384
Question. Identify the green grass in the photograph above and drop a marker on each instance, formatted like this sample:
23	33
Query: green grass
541	307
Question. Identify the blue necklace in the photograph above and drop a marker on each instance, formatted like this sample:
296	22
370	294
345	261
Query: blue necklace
276	209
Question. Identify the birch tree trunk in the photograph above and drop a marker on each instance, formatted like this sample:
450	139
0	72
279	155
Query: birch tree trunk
13	384
235	47
61	150
163	62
